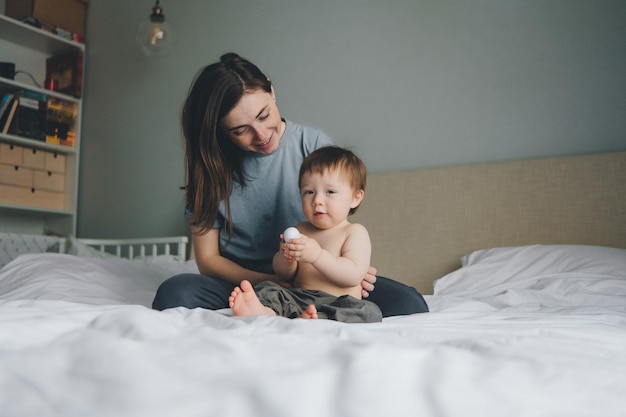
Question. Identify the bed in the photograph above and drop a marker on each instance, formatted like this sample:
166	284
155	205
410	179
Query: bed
528	312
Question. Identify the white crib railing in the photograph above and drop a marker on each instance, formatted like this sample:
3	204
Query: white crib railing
175	246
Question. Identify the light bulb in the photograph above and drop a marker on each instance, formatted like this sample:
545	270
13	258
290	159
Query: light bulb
155	36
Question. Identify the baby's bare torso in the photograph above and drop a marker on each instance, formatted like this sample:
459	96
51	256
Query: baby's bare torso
332	240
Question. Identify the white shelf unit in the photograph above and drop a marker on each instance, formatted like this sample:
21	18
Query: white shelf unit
29	47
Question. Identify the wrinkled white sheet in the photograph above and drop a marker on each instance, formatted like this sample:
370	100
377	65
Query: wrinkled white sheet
100	356
53	276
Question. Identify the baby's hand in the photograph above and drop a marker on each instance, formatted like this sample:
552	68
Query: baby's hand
287	247
303	249
290	233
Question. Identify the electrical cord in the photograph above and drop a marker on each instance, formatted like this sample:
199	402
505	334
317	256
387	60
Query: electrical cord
30	76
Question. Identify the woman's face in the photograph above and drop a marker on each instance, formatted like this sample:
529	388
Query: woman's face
254	123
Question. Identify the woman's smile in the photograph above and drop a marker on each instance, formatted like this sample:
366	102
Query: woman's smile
266	142
254	124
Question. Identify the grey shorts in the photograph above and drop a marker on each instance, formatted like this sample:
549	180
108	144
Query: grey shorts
292	302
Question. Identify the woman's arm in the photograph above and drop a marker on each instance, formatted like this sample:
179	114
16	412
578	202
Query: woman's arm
210	262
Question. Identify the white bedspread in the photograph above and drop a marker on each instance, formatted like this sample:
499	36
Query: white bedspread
98	355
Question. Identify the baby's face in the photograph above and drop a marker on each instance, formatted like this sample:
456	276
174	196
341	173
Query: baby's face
327	198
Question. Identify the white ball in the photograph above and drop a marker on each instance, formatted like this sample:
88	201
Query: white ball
291	233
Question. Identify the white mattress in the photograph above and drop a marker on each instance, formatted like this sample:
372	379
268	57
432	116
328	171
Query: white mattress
77	338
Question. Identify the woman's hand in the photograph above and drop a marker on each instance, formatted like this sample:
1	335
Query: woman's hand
367	285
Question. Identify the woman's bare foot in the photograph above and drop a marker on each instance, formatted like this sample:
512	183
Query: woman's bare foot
244	302
309	313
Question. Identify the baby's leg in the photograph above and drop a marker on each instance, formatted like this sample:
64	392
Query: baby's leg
244	302
309	313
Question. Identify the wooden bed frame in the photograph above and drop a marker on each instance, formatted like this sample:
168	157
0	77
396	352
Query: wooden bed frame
422	222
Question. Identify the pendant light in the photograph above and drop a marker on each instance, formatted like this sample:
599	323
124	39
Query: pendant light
155	36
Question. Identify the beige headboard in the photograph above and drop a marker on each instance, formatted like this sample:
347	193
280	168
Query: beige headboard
421	222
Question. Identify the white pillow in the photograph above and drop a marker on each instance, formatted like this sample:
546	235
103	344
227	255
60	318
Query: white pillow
14	244
558	269
86	280
78	248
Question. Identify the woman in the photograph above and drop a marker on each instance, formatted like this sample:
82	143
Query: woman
242	161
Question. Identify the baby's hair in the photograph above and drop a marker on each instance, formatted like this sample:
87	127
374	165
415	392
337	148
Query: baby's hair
332	158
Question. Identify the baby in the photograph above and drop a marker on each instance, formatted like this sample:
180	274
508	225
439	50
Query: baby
330	258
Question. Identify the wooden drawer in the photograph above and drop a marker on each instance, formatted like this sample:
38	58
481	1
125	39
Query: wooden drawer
16	175
11	154
32	177
34	158
31	158
32	197
54	162
48	180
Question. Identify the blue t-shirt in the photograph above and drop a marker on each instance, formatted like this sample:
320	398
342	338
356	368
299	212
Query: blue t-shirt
270	201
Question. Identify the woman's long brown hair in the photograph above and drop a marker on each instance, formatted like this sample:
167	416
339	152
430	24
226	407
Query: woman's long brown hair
213	163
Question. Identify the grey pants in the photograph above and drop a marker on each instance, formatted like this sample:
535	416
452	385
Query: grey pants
292	302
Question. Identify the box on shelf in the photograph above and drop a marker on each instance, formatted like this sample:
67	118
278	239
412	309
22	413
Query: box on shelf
68	15
30	116
66	73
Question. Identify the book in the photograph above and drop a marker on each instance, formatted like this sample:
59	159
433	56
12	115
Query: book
61	118
30	117
4	104
10	113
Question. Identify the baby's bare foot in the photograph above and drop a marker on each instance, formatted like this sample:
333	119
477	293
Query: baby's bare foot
244	302
309	313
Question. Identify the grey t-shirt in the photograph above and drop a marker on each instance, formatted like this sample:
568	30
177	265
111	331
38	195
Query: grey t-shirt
270	201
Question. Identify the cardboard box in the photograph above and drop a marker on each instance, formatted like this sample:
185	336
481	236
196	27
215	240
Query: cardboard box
66	71
64	14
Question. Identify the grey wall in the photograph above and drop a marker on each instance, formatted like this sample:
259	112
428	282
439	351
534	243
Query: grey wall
405	83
